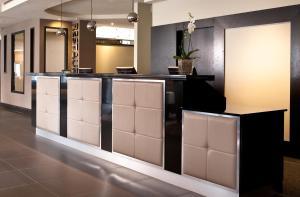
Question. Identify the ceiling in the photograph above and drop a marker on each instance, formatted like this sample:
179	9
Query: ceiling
104	11
82	8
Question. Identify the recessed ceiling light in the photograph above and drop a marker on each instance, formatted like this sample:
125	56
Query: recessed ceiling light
112	24
8	4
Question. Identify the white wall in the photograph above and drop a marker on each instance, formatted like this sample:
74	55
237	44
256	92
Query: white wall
257	67
21	100
174	11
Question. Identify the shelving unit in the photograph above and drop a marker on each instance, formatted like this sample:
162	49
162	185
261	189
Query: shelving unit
75	46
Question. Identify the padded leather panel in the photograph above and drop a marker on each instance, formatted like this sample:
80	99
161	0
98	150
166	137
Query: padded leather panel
84	132
52	104
148	149
221	168
149	122
222	134
149	95
91	112
74	129
195	130
90	134
91	90
74	89
47	108
46	85
123	142
75	108
123	118
41	102
84	110
53	86
49	122
123	93
195	160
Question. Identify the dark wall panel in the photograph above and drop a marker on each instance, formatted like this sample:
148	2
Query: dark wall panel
163	48
164	44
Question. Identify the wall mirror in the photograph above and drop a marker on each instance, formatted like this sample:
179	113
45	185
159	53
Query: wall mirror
17	60
56	50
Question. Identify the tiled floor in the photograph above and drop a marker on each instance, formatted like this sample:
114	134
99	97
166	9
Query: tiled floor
33	166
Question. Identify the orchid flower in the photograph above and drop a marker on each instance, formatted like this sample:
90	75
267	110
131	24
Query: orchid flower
191	26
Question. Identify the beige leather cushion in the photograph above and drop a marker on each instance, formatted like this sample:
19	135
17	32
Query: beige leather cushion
74	89
53	104
90	134
222	134
195	129
149	122
123	142
48	121
41	102
84	132
123	93
91	90
149	95
91	112
221	168
48	104
53	86
194	161
47	86
123	118
41	85
75	108
74	129
148	149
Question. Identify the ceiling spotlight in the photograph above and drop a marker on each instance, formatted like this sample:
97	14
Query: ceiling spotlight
61	31
91	26
132	16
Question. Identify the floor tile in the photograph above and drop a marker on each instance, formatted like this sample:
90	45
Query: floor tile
13	179
31	162
163	188
50	172
5	167
26	191
66	186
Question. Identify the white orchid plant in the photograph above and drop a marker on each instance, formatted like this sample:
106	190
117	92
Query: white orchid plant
187	54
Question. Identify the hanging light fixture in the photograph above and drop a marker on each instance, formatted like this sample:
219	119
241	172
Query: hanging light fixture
91	26
61	31
132	16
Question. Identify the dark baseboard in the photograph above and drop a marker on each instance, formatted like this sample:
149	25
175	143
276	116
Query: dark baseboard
291	150
16	108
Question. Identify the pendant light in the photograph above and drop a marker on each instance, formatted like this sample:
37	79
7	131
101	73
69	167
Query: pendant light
132	16
61	31
91	26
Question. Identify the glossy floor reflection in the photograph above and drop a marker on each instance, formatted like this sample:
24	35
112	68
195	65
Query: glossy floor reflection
33	166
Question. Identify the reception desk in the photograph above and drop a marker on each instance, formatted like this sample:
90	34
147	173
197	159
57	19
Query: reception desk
173	127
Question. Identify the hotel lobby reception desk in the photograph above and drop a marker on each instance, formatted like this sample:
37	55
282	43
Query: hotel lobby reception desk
174	128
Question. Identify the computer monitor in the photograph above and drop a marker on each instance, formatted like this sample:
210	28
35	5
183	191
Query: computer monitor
173	70
126	70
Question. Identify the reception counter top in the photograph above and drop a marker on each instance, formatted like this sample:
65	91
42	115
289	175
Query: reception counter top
127	76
